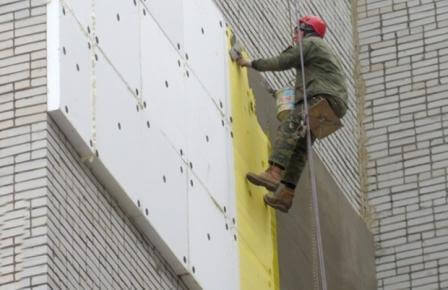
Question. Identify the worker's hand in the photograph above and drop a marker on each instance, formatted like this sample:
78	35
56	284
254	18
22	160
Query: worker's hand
244	62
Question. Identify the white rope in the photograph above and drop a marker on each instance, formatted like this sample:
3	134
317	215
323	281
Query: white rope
315	205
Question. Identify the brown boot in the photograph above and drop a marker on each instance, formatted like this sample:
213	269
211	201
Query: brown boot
270	179
281	199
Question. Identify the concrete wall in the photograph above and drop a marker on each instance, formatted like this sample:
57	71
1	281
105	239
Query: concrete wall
404	56
349	249
59	228
264	28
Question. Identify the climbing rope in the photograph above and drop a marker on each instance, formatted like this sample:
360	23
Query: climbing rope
314	199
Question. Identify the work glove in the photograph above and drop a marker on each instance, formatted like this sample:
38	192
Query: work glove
244	62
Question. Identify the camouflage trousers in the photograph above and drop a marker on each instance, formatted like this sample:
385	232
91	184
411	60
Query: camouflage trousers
290	147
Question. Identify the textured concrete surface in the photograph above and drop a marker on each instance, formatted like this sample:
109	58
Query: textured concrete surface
348	244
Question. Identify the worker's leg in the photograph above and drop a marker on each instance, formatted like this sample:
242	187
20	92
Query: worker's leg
298	158
296	163
284	145
287	139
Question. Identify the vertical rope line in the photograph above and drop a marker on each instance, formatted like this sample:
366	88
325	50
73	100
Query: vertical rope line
323	276
315	266
314	252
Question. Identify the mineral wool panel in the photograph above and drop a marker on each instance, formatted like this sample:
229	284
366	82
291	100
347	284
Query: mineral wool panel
208	143
205	47
212	246
163	76
82	10
169	17
117	33
152	123
75	84
162	190
117	122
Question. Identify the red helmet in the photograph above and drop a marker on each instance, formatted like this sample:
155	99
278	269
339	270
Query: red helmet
316	23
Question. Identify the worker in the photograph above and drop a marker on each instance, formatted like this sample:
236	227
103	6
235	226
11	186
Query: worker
324	81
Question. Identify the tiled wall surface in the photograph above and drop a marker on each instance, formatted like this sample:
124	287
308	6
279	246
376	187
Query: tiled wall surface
404	57
23	193
59	228
264	29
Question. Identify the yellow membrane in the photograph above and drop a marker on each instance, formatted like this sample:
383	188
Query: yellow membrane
257	236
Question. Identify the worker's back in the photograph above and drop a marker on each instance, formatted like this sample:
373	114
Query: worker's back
323	70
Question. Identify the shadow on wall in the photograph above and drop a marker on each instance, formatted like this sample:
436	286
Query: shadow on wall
348	244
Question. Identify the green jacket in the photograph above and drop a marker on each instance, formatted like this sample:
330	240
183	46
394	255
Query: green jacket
323	70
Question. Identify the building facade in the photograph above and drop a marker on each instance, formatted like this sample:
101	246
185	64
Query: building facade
60	227
404	62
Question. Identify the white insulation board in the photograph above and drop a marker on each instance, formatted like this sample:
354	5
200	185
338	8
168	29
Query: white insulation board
142	89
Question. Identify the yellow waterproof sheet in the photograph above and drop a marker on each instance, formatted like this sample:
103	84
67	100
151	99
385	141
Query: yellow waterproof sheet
257	238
